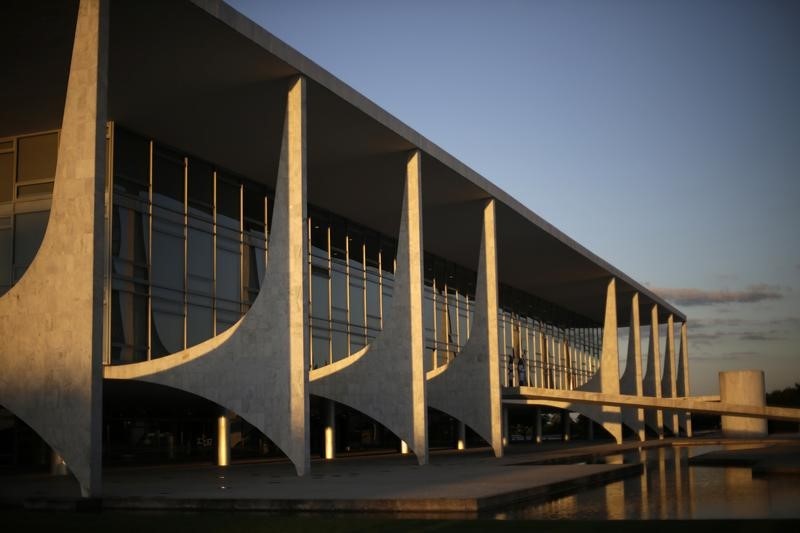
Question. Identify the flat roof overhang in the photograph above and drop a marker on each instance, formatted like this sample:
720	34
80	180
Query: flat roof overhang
202	77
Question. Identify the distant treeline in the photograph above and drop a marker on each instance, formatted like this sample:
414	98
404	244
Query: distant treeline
788	397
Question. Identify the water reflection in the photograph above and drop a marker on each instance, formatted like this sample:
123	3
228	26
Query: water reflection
669	488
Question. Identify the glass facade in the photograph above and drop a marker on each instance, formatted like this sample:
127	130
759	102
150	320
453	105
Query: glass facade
449	309
188	248
27	174
544	346
189	252
351	277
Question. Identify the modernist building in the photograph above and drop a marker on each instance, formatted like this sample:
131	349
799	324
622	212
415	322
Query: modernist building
201	228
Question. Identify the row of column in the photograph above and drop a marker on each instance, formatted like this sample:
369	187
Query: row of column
257	368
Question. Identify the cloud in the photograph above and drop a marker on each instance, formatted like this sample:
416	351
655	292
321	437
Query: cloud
792	322
732	356
713	336
754	336
691	296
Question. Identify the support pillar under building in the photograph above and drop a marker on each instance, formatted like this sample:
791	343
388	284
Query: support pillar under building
537	426
505	426
329	416
223	440
53	380
668	388
683	377
565	429
651	385
461	442
631	381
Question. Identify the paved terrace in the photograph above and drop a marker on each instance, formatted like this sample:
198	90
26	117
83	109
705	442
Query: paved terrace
461	484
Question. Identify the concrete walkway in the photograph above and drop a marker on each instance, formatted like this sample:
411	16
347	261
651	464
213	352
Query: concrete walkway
464	483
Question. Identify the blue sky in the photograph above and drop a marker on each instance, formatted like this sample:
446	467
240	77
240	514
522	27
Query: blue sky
664	136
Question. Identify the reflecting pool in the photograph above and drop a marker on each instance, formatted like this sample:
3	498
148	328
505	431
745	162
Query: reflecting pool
671	489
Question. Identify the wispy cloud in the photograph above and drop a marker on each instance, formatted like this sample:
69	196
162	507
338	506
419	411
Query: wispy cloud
772	335
706	323
692	296
735	356
708	337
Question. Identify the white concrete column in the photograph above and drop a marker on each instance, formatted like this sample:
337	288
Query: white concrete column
652	384
390	371
51	321
631	382
468	388
414	267
259	366
223	440
461	443
668	389
606	380
683	377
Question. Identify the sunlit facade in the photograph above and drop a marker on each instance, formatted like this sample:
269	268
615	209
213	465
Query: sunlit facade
262	236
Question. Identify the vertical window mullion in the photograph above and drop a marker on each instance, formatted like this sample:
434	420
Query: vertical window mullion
214	254
185	251
330	295
150	253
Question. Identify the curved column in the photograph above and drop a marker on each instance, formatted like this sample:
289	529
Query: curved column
386	380
682	386
652	385
51	320
631	382
257	367
468	388
668	389
606	379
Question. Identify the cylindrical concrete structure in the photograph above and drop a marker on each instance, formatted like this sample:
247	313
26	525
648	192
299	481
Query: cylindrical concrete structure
743	387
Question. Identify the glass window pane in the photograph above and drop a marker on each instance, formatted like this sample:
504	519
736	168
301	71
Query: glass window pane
168	168
167	261
37	189
6	177
29	231
36	157
5	259
228	203
229	285
131	162
128	322
201	186
200	278
319	240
